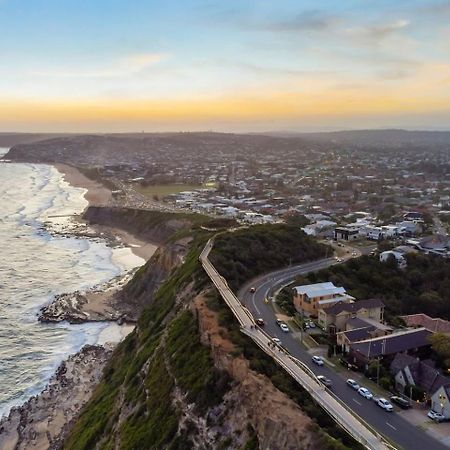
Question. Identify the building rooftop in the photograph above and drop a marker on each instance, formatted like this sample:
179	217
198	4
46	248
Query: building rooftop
356	306
430	323
319	289
392	343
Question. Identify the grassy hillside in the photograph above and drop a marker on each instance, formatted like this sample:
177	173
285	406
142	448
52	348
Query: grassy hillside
164	349
162	370
248	252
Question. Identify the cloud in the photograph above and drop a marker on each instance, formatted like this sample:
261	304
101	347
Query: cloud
311	20
437	9
378	32
127	66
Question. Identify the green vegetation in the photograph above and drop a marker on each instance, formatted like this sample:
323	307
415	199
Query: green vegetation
248	252
159	191
142	373
423	287
440	343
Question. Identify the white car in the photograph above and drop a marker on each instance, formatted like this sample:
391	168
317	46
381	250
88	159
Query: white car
277	341
284	328
353	384
437	417
312	325
365	393
383	403
317	360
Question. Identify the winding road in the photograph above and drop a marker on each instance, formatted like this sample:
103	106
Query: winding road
392	425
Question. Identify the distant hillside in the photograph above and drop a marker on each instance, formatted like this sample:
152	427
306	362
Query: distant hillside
383	137
11	139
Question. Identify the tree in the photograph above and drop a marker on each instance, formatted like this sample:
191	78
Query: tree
440	343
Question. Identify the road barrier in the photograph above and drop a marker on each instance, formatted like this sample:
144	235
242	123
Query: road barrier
338	410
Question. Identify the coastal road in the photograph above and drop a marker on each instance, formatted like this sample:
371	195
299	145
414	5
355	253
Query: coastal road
392	425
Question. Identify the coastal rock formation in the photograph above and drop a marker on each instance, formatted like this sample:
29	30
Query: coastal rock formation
42	422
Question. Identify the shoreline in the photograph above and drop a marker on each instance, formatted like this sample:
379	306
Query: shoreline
98	195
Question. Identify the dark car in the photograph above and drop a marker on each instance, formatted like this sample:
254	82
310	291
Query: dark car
400	401
252	290
260	322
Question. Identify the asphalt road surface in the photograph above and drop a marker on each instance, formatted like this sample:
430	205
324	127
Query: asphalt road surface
390	424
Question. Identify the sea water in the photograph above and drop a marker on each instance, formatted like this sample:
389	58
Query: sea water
35	265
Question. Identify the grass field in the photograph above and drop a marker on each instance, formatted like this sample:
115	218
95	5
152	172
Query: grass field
163	190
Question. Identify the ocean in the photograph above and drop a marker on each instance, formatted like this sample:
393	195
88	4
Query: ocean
35	265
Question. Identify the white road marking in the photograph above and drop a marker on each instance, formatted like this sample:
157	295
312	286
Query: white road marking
356	401
392	426
254	304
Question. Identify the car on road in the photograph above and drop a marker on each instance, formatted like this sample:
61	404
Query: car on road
276	340
354	254
312	325
437	417
383	403
400	401
353	384
260	322
252	290
279	322
284	328
365	393
325	381
317	360
339	259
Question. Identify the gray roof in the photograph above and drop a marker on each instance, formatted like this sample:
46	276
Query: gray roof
392	343
358	334
356	306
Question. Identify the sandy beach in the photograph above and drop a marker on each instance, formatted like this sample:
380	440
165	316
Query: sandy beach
96	195
99	195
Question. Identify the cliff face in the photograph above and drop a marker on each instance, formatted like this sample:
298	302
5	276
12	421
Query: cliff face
183	380
152	226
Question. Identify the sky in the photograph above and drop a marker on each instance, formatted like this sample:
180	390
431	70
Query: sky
300	65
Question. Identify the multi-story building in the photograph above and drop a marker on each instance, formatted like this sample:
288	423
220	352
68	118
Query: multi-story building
309	298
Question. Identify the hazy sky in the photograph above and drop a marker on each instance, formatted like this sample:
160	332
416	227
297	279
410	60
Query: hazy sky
104	65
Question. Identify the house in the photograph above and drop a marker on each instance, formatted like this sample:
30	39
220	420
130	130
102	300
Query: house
434	324
398	253
320	228
310	298
335	317
440	401
365	329
346	233
408	370
437	244
408	341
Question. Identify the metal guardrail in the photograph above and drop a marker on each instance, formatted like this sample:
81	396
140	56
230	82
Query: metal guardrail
334	406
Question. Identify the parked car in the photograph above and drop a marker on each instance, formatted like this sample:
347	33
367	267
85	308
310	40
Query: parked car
260	322
353	384
400	401
324	380
437	417
252	290
279	322
365	393
317	360
284	328
312	325
383	403
276	340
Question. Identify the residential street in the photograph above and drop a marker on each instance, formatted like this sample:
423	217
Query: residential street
392	425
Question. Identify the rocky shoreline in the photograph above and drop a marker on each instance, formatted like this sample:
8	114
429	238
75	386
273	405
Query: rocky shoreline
42	422
95	305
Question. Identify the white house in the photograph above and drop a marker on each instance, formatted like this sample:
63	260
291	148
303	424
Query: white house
440	401
401	261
